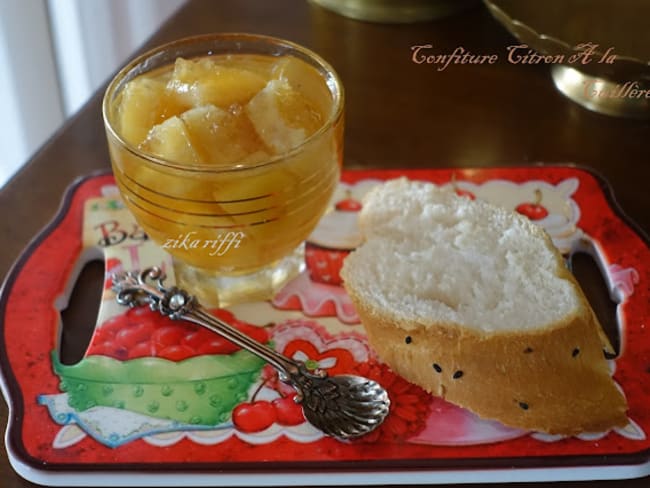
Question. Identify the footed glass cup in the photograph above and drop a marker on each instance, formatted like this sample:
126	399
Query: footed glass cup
234	227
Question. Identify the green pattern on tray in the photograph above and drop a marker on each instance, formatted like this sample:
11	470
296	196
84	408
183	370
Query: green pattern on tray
201	390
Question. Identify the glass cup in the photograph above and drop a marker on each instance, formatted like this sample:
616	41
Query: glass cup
234	224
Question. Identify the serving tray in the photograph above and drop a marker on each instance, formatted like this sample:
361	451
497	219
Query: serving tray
98	423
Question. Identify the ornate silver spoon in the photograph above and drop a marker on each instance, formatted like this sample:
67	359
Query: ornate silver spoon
342	406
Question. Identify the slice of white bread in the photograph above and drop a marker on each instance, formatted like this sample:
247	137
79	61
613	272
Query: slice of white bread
475	304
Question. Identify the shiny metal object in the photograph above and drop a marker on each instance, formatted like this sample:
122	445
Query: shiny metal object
601	94
620	88
395	11
342	406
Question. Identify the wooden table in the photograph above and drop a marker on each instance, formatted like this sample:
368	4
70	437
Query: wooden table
399	114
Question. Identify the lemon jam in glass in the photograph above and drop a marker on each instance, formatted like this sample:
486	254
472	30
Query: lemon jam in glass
226	149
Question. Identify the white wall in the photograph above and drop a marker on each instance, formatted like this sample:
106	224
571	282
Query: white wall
54	54
30	107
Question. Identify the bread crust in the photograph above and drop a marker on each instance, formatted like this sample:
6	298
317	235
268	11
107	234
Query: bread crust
554	380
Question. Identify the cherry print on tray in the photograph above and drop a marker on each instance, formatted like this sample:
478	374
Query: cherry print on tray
254	415
141	332
533	210
288	410
460	191
257	415
348	204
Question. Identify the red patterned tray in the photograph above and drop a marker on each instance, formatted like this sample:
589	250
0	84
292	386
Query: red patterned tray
66	431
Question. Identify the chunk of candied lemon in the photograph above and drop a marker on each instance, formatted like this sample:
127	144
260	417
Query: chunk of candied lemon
306	79
257	198
144	102
170	140
221	136
256	157
257	63
205	81
282	116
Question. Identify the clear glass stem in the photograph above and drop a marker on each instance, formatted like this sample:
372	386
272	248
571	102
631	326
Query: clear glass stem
214	289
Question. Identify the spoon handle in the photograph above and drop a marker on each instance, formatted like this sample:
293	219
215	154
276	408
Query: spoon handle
146	288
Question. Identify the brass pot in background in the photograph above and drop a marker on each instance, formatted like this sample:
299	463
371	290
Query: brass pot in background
395	11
